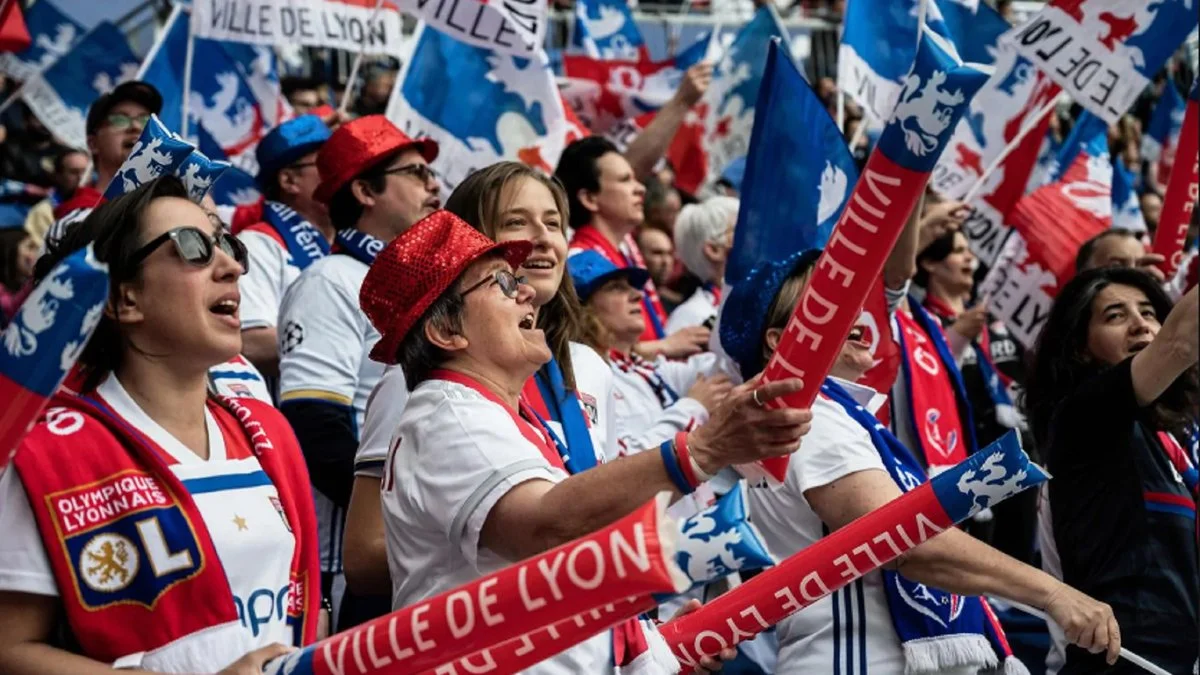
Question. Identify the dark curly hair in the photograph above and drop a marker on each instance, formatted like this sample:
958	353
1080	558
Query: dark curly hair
115	230
1061	362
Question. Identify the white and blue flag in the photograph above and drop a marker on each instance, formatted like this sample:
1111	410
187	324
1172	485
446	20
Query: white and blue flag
604	29
500	107
61	95
53	34
234	96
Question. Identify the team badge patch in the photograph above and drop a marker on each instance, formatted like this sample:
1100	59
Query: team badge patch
127	540
589	406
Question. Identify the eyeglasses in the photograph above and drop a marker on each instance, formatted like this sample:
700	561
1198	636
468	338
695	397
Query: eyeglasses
121	121
196	247
422	172
508	282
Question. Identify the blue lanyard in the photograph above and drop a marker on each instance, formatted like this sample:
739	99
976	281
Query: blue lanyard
578	452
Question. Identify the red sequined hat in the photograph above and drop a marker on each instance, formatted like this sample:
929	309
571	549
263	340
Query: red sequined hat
359	145
417	267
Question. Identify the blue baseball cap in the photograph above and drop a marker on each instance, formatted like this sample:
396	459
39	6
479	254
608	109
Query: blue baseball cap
288	142
590	270
743	321
734	172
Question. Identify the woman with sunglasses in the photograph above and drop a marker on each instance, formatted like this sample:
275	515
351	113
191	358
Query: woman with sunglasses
184	538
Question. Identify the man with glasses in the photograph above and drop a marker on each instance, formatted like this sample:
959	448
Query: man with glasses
294	233
114	122
377	183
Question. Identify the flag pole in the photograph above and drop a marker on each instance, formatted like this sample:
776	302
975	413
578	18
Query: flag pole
1029	126
841	111
348	95
184	122
1125	653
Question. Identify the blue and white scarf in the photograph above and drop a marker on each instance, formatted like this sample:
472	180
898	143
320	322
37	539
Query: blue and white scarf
304	243
938	630
358	245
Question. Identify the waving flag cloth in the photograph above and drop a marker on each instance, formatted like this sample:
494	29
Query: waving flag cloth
1183	190
44	340
1104	52
1162	134
997	472
1004	112
1050	225
52	35
516	27
634	555
501	107
1126	207
935	96
60	96
225	113
713	544
798	172
604	29
14	34
880	41
603	92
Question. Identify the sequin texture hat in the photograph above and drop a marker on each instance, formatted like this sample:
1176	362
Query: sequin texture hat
359	145
411	272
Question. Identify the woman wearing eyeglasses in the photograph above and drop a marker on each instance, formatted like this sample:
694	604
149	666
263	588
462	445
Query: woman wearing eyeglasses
507	201
473	479
148	524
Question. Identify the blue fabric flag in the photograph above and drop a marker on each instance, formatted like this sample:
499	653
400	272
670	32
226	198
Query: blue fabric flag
798	176
61	96
53	34
605	29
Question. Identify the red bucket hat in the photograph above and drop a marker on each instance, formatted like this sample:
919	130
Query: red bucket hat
357	146
417	267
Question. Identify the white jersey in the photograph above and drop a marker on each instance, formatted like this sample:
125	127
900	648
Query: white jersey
237	502
455	454
593	383
834	634
238	378
697	310
325	342
263	286
645	414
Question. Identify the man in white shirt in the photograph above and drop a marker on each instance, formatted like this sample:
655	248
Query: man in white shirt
294	233
703	237
376	182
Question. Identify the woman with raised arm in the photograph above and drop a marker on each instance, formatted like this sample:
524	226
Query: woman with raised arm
892	621
474	480
182	539
1112	395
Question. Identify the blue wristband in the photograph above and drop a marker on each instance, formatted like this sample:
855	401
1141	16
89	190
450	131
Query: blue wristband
674	471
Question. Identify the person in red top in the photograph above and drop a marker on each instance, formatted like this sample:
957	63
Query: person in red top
605	201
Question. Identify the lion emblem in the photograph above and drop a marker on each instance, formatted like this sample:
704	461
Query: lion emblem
991	484
708	554
109	562
925	112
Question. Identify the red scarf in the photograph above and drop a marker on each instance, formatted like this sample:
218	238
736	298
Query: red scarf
654	316
931	398
124	481
946	313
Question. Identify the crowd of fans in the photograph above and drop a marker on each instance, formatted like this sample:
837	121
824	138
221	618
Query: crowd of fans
464	380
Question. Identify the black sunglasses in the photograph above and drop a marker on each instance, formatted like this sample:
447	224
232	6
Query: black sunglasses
196	247
508	282
422	172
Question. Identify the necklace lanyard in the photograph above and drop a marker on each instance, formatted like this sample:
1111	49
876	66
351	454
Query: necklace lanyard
645	370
